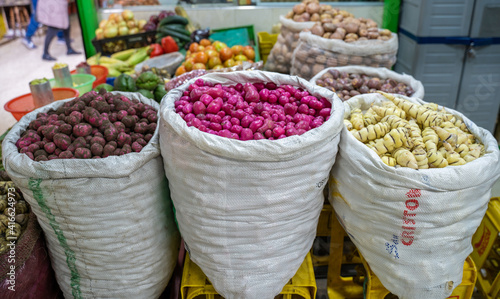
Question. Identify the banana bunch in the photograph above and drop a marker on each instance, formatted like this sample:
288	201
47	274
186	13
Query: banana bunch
121	62
416	136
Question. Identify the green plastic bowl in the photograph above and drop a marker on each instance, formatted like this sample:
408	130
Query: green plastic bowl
81	82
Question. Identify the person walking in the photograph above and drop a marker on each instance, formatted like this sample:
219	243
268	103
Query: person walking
54	14
33	27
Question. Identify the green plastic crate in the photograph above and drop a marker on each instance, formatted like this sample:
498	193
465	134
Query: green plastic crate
232	36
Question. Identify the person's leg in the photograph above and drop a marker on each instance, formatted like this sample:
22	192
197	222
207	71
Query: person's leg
67	39
31	29
51	33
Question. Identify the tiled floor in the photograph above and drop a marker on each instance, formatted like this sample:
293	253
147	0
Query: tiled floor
21	65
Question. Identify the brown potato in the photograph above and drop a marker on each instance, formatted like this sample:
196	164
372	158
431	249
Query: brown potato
294	44
331	62
317	68
317	29
299	8
336	35
325	16
289	15
301	55
321	59
363	33
297	18
312	8
350	40
315	17
338	17
342	59
280	59
351	27
305	71
289	56
310	60
280	39
372	29
306	17
327	34
385	32
356	60
353	36
372	35
362	26
329	27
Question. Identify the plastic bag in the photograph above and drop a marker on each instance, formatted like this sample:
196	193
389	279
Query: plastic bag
108	222
413	227
248	210
382	73
315	53
168	61
280	58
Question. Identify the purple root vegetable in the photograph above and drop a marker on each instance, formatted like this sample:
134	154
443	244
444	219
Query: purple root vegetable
99	140
40	152
66	129
246	134
136	147
102	107
83	153
131	111
121	114
41	158
58	151
24	150
37	123
50	147
49	131
96	157
52	157
82	129
127	148
141	128
108	150
33	147
141	141
129	121
110	133
119	126
79	142
251	93
151	128
62	141
148	137
123	139
118	152
113	117
74	118
30	155
66	155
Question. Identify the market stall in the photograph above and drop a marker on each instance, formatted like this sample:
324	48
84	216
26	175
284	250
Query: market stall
193	157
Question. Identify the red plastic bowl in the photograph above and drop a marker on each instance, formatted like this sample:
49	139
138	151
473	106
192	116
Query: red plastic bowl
23	105
100	72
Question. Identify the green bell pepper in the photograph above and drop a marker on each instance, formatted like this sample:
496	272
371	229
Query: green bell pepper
148	94
160	92
124	82
147	80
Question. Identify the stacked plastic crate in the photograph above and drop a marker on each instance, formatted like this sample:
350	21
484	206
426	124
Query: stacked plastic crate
453	47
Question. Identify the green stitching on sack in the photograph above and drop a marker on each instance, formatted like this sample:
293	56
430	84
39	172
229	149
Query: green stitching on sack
34	185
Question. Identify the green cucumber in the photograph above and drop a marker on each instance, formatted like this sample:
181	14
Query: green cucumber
175	26
173	33
180	31
173	20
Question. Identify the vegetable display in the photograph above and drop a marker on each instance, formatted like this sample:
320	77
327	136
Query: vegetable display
411	135
216	55
93	126
312	11
251	111
349	85
147	83
122	62
14	214
175	27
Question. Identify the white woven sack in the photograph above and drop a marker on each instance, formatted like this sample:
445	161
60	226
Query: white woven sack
315	53
108	222
413	227
248	210
280	57
380	72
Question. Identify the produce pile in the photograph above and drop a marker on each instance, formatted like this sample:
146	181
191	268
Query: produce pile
217	55
251	111
312	11
412	135
14	213
93	126
349	85
147	83
175	27
121	62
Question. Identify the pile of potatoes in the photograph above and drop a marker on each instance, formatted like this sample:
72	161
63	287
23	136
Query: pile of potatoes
312	11
349	85
406	134
348	29
14	215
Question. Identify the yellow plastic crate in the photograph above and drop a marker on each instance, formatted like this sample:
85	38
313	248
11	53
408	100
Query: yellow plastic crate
3	25
195	285
375	289
486	251
266	43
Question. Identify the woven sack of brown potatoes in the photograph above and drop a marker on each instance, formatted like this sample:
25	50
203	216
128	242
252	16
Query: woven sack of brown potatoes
343	41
